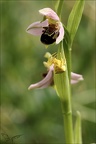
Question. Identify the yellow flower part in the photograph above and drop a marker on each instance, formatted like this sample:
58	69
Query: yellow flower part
59	64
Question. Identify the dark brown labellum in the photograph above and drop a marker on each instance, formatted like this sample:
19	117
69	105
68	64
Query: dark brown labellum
49	35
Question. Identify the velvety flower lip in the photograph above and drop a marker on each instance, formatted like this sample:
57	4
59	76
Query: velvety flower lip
46	81
75	78
51	23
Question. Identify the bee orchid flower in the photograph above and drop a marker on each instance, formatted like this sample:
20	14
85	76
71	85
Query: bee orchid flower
48	80
50	29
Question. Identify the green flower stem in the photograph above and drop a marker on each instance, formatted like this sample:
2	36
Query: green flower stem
66	103
63	90
68	58
69	63
68	127
62	84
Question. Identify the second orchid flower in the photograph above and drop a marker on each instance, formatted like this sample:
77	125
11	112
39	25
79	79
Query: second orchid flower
54	66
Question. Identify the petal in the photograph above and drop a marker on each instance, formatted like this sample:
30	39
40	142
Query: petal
75	78
46	81
49	13
61	34
36	28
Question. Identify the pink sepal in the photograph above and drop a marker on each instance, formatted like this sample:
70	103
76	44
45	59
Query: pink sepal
36	28
61	34
75	78
49	13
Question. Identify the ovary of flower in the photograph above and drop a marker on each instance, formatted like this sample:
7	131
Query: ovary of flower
59	64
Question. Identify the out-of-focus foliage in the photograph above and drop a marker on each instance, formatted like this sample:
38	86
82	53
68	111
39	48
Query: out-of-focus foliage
35	116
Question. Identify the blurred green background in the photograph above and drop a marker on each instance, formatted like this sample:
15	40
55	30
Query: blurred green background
36	115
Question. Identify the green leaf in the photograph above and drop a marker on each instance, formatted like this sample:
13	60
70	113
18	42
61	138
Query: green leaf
58	7
77	129
56	4
75	18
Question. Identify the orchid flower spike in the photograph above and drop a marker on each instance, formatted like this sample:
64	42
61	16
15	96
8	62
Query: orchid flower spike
50	29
